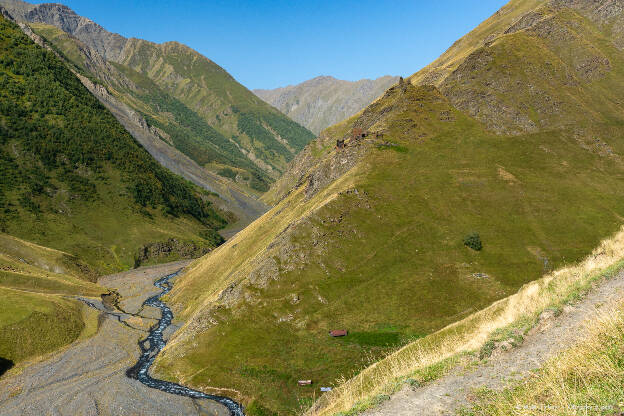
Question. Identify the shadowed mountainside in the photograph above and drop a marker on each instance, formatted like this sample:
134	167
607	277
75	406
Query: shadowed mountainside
231	197
74	179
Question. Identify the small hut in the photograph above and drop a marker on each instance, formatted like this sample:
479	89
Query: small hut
304	382
338	333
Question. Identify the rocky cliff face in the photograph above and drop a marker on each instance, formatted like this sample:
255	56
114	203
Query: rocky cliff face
170	250
322	101
107	44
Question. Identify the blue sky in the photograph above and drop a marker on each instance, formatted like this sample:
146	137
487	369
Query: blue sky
267	44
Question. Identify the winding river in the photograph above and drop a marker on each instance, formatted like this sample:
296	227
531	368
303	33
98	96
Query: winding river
154	343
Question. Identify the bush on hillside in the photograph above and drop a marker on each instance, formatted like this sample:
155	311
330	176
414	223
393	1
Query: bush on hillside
227	173
473	240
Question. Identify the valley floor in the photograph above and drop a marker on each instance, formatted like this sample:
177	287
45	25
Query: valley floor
551	336
89	377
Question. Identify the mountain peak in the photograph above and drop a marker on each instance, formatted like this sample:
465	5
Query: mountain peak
106	43
325	100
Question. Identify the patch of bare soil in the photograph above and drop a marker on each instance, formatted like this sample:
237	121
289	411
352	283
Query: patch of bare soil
89	377
552	335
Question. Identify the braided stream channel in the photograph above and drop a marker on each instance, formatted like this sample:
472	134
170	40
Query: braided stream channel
153	344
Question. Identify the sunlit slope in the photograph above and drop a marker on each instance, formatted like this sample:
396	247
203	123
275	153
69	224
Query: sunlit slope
245	120
380	251
498	23
532	74
521	143
72	178
197	106
36	313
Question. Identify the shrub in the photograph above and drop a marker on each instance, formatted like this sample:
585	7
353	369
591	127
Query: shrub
227	173
473	240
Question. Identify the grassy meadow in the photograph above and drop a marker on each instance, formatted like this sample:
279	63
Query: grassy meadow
388	263
37	314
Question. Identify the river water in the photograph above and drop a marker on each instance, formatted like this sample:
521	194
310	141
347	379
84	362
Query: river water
154	343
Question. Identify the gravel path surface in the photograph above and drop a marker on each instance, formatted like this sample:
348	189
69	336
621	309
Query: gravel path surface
89	378
551	336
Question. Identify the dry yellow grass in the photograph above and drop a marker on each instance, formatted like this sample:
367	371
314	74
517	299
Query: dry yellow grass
206	278
586	379
436	72
472	332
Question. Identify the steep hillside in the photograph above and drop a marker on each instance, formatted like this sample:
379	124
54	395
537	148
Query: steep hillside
36	313
87	63
322	101
107	44
73	179
194	104
459	193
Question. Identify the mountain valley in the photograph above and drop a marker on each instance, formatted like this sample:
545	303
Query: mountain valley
441	218
368	234
221	126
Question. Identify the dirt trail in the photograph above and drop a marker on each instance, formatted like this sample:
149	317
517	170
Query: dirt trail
89	378
551	336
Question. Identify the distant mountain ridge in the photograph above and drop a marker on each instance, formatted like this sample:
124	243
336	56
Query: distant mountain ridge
323	101
199	108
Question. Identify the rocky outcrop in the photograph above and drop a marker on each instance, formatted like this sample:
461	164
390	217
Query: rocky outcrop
107	44
324	101
170	249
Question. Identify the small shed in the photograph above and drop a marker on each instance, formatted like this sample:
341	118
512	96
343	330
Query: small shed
338	333
304	382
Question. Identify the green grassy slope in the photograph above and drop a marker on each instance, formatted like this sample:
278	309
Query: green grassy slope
72	178
180	126
223	103
378	248
210	91
36	315
198	106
